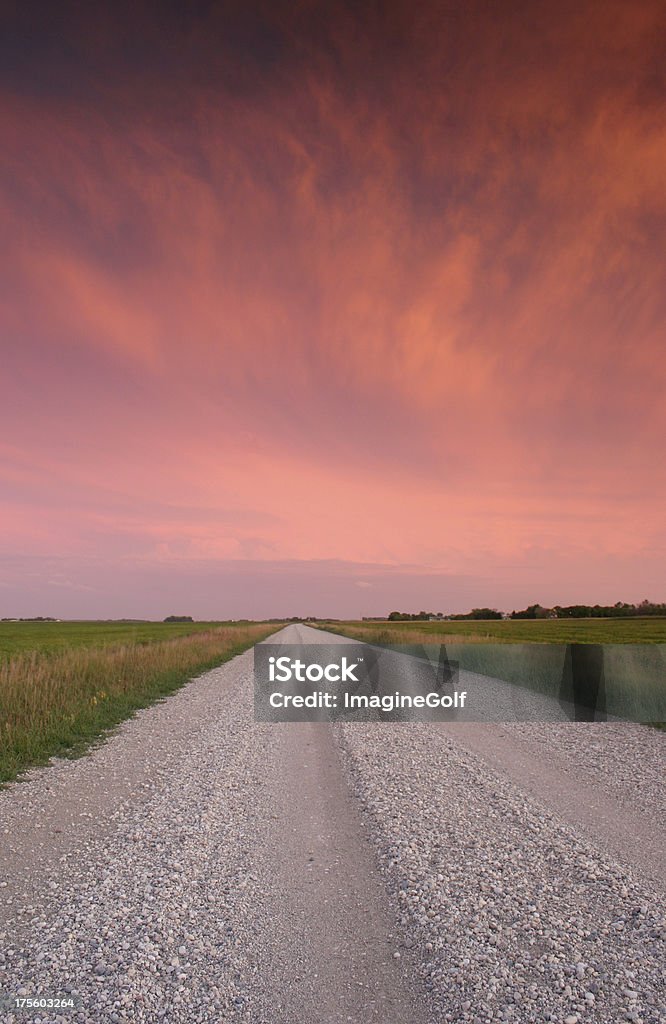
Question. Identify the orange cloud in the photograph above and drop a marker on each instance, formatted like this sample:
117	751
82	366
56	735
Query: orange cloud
394	299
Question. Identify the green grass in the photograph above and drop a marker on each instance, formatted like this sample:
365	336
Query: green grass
57	698
51	637
648	630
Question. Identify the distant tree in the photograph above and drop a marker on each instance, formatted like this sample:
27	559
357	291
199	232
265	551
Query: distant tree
599	611
485	613
478	613
533	611
179	618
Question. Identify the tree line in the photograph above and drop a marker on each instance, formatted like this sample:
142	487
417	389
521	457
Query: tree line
537	611
621	609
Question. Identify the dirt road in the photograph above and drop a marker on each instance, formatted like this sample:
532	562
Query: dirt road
200	867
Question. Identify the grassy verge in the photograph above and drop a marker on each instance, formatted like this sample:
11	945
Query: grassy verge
58	702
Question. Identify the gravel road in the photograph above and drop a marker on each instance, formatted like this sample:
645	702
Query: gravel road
200	867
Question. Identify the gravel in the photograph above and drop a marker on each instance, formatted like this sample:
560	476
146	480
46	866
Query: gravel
151	920
515	916
623	759
169	891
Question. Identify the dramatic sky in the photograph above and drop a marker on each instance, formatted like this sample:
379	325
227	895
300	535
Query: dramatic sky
329	308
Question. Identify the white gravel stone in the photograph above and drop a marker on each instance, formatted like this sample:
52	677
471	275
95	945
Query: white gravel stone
501	910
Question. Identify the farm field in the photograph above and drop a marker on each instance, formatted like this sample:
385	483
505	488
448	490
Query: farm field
647	630
62	684
49	637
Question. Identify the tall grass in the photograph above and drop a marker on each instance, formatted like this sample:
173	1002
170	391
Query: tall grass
54	637
57	703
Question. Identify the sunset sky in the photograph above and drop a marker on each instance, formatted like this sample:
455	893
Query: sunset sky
331	308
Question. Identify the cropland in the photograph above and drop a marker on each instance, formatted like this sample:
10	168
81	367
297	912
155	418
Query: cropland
647	630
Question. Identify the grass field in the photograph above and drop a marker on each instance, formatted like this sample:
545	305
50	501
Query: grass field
64	684
50	637
648	630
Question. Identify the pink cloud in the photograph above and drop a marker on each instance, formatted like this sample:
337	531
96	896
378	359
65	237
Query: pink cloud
323	320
